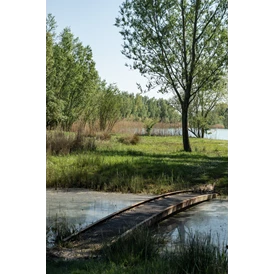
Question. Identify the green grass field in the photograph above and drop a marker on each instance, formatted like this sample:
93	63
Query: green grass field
156	164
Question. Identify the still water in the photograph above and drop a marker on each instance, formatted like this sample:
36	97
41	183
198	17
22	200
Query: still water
208	217
218	134
80	208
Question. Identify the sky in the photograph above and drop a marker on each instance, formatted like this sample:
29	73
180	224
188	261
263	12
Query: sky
92	21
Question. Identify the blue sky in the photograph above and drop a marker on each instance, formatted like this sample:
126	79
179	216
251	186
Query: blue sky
93	22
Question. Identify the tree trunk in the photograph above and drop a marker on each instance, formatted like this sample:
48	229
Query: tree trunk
203	132
186	143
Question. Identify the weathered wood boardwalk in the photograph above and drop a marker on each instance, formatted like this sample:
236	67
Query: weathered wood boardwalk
119	224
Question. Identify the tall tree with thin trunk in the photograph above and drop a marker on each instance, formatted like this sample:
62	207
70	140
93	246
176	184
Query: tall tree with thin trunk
178	45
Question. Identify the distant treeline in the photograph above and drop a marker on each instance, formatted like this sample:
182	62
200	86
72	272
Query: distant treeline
75	93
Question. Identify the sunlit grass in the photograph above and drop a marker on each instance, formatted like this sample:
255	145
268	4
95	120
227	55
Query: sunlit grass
154	165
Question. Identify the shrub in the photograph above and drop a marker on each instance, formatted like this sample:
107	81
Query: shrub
103	136
83	143
59	142
130	140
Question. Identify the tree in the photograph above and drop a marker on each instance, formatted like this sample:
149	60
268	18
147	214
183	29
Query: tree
149	124
72	79
203	110
109	106
163	110
54	104
179	46
153	109
140	110
126	105
77	78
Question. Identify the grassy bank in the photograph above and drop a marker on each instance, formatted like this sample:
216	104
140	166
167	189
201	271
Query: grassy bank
152	164
141	252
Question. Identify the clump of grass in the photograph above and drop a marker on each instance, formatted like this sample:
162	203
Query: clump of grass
139	252
141	245
62	143
58	142
199	255
82	143
103	136
130	140
58	229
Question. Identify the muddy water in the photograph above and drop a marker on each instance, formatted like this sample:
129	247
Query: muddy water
79	208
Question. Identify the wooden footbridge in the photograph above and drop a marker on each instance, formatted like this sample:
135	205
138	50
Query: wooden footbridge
119	224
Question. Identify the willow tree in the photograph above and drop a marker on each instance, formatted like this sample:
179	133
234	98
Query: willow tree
178	45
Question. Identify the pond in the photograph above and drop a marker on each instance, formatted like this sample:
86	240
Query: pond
79	208
206	218
84	207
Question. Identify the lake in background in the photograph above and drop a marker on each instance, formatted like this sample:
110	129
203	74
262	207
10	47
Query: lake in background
218	133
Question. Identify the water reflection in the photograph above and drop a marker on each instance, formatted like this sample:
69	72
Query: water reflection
209	217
